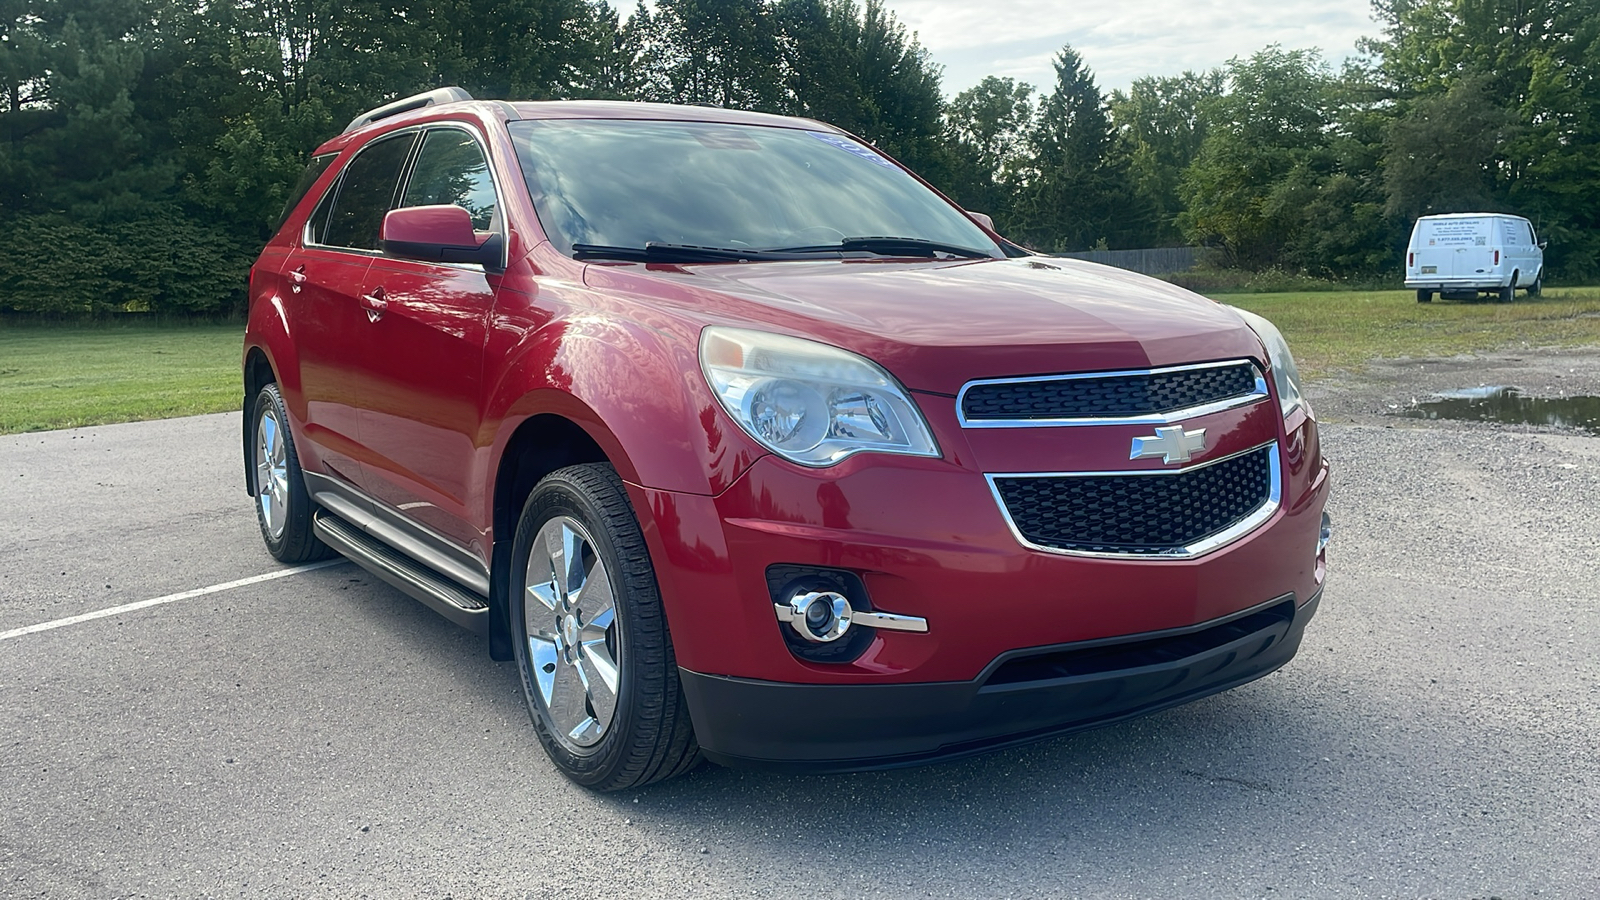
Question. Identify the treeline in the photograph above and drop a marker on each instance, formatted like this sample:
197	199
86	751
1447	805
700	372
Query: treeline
146	146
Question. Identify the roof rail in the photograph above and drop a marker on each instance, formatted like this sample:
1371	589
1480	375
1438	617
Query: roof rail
415	101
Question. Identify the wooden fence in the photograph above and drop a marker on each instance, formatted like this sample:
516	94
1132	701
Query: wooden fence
1154	261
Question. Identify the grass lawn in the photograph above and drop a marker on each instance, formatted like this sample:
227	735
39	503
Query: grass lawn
1338	330
63	376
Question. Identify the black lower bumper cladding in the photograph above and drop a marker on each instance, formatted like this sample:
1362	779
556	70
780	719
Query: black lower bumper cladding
1021	697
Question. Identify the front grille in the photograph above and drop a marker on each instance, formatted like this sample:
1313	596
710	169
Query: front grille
1109	396
1139	514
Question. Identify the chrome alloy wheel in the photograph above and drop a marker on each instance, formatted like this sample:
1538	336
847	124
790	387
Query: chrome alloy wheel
574	643
272	473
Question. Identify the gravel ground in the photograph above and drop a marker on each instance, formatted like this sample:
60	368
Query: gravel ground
323	735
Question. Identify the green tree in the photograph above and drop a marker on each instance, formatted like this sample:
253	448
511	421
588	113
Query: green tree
1160	126
1257	165
718	52
1072	192
1443	153
986	136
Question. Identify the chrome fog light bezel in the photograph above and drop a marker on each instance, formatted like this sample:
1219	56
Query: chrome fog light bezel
820	617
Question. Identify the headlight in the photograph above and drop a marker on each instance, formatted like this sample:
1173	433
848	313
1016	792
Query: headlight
1285	375
809	402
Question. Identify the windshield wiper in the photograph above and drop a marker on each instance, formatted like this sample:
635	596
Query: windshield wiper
656	251
893	246
907	246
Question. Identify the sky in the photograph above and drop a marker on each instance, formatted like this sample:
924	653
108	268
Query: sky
1121	40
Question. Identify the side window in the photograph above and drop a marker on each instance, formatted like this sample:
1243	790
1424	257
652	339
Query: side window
319	164
1532	239
451	170
365	193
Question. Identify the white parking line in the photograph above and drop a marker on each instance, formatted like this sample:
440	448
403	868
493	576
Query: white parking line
170	598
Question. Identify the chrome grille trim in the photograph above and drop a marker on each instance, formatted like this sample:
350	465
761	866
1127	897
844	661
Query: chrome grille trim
1256	395
1206	545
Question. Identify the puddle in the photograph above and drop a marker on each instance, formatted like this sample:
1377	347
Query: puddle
1495	403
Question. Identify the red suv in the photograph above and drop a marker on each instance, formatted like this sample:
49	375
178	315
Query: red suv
743	441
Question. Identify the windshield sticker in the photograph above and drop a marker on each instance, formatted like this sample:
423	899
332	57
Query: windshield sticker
849	146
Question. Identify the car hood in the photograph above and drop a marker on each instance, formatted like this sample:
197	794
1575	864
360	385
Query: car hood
936	325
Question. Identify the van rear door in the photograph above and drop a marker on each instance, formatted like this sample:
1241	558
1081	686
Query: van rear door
1461	248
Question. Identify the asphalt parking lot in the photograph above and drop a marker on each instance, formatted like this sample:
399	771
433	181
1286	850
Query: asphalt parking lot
320	734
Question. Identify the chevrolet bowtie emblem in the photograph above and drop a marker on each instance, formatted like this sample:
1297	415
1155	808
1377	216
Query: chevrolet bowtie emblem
1172	444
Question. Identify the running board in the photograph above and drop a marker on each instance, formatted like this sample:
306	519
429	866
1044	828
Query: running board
442	595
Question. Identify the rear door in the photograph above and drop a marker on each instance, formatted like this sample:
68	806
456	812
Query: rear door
1430	260
1460	247
424	354
329	267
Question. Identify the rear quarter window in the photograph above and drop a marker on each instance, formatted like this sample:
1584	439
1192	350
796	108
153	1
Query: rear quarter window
313	171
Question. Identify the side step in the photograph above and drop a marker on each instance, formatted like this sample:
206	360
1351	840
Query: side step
444	596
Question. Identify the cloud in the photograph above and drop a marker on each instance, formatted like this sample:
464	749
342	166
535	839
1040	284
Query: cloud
1124	40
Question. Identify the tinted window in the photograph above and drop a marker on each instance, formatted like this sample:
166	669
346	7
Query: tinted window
451	170
626	183
319	164
365	193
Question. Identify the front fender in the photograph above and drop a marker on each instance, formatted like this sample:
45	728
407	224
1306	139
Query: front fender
631	381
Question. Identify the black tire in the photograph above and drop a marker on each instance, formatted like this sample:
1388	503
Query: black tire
1509	292
1424	296
1537	287
286	529
648	736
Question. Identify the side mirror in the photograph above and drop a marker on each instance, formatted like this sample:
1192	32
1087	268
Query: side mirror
1543	244
982	219
438	234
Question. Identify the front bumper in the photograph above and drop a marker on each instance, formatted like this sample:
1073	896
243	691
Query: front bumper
929	539
1022	697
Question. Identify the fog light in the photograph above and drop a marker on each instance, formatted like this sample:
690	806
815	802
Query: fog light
825	616
818	616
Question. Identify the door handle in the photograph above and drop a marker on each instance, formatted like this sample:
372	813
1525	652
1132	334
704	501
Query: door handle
375	304
296	279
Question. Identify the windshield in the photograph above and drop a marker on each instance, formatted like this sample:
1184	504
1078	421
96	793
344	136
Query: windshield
632	183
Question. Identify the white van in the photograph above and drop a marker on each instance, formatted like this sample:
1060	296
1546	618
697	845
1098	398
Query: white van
1462	254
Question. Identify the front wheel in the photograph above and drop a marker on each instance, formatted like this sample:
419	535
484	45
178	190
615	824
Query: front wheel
592	646
1537	287
283	506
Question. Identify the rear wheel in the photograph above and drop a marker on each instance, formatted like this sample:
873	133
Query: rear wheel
592	646
283	506
1424	296
1509	292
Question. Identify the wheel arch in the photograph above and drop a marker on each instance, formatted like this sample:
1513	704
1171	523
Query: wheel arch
258	373
537	445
